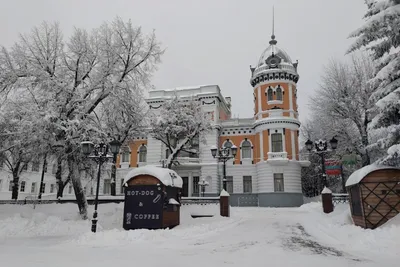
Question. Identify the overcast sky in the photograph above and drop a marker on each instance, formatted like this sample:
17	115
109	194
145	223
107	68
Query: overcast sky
211	41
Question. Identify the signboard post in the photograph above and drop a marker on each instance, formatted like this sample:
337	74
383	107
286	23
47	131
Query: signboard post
143	207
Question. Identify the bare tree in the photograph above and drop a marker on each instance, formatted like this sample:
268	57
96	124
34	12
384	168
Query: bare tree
70	80
343	98
179	124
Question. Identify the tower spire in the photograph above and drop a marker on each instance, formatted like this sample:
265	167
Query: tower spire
273	41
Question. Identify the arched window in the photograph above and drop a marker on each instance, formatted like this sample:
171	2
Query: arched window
270	94
228	144
279	94
125	154
246	150
142	153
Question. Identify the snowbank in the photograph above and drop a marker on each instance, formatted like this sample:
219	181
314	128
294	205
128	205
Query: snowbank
337	229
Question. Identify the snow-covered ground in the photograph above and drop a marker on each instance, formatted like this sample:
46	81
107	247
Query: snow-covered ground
52	235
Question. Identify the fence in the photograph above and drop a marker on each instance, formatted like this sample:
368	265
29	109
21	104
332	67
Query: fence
340	198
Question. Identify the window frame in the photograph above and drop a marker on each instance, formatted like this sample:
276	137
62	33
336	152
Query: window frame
22	186
248	149
142	154
278	177
229	184
247	183
274	143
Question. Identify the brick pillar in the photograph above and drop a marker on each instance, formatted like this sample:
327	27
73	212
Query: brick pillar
224	203
327	203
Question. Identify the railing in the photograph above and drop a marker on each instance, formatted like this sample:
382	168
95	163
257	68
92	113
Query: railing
340	198
277	155
185	160
199	200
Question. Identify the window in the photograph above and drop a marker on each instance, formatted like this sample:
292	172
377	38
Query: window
246	150
142	153
122	186
107	187
43	188
91	190
247	185
276	140
10	186
270	95
355	200
278	182
125	154
279	94
52	188
1	163
70	189
229	184
35	166
228	144
33	188
196	181
1	185
22	189
54	169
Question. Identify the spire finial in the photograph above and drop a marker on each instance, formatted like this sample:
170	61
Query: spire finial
273	21
273	41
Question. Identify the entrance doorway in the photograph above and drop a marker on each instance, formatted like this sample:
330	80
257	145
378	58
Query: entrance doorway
185	187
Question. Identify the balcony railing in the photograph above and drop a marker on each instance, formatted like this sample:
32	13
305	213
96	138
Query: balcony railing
277	155
187	160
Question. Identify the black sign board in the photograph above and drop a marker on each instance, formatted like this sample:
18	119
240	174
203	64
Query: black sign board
143	207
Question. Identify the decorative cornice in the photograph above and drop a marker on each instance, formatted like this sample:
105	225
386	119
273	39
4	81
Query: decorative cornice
278	75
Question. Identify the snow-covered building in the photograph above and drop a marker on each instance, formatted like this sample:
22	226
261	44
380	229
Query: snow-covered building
266	170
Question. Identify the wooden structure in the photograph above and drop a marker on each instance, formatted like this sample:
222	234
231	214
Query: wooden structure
374	195
152	198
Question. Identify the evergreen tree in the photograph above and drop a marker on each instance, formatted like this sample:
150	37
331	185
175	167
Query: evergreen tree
381	35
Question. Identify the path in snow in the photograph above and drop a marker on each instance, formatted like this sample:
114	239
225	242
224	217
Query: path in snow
252	236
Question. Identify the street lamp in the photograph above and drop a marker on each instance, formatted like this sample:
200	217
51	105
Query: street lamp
115	145
203	185
98	153
321	148
223	155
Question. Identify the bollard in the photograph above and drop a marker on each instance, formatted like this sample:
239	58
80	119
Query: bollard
224	203
327	203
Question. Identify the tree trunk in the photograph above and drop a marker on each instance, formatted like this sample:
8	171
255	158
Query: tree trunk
60	183
76	183
15	186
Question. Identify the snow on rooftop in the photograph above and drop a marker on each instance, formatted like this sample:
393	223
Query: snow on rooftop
167	176
224	193
359	174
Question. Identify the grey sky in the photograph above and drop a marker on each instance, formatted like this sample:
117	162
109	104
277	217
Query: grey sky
211	41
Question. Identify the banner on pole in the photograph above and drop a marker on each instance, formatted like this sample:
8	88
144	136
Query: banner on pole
333	167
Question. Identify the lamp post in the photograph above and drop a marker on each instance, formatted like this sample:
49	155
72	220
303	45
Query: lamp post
98	153
114	148
321	148
203	185
223	155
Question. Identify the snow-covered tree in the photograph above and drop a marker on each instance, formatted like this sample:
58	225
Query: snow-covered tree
380	34
179	124
343	99
71	79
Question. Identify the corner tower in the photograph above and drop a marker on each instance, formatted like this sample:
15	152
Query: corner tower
274	81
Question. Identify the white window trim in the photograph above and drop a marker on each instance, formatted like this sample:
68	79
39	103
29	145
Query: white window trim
272	131
251	151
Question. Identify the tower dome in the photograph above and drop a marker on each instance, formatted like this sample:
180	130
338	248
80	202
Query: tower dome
274	64
273	51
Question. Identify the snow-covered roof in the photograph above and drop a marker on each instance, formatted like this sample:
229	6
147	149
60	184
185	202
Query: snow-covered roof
167	176
359	174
